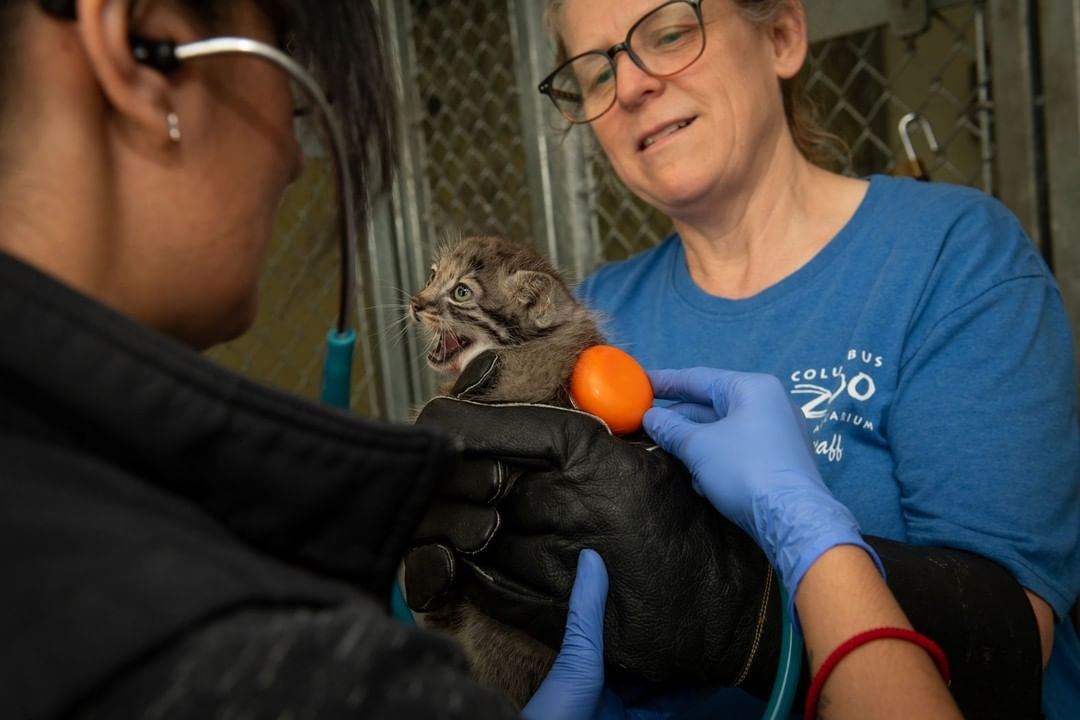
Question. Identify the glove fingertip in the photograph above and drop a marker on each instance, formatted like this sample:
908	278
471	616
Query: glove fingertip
590	561
655	420
663	426
589	593
659	379
429	575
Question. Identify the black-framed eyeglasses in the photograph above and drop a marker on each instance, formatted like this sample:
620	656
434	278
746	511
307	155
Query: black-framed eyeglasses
665	41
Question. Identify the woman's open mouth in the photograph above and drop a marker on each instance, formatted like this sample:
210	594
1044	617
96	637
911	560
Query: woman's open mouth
664	132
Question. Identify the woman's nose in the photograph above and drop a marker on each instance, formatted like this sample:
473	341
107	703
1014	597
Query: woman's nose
632	84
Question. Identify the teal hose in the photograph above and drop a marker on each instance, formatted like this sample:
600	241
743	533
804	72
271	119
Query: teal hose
399	609
337	368
786	684
787	675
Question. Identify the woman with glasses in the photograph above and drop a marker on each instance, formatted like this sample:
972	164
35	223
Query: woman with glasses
915	324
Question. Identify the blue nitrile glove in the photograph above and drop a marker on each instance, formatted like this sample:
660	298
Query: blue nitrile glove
747	449
574	687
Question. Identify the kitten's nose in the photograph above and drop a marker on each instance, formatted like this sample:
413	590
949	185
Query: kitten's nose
415	307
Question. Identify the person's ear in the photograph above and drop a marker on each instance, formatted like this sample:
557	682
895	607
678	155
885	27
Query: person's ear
138	93
790	41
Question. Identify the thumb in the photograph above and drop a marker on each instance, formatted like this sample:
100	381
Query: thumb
574	686
695	412
584	635
670	429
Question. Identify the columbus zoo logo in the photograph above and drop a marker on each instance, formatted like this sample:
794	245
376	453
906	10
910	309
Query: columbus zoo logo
848	385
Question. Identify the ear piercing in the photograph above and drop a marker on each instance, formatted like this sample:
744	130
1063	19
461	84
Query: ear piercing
173	123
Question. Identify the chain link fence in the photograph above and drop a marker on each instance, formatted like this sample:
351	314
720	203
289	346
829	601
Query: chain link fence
471	165
471	125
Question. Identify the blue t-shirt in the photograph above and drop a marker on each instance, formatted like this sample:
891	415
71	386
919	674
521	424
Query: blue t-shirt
928	347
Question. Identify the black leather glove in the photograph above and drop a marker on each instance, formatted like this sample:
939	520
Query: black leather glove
691	599
461	518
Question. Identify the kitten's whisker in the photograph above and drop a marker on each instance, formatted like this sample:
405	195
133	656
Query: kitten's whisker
400	325
398	329
395	288
387	306
400	336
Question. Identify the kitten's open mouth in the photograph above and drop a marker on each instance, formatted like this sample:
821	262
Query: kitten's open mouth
449	346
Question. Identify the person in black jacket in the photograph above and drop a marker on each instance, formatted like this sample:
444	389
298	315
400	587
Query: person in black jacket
177	542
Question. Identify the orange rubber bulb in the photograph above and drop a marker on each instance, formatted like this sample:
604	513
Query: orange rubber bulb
610	384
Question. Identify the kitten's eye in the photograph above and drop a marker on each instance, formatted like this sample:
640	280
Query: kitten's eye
462	292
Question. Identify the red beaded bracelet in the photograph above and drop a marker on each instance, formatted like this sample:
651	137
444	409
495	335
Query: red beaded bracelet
862	638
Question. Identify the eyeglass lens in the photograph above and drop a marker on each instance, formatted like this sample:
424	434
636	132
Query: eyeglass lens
667	40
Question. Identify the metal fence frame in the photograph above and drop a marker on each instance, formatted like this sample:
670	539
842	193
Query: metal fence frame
1060	58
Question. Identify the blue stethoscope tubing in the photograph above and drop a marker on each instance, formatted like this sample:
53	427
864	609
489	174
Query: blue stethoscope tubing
786	684
341	339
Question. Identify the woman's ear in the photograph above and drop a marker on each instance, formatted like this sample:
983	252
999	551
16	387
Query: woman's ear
138	93
790	40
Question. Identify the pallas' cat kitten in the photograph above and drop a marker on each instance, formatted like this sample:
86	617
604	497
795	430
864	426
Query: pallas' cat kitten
490	293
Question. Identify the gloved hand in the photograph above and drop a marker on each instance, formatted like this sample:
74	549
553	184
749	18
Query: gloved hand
748	452
691	595
574	687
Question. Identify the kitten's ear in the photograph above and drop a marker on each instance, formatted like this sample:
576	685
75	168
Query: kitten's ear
543	297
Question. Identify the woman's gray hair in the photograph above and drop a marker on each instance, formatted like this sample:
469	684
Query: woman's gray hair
817	144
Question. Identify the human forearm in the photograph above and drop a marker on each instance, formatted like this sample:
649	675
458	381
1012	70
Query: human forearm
886	678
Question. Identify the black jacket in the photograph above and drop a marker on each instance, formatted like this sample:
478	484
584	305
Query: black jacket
146	494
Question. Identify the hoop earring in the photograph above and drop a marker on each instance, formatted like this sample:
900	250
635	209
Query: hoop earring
173	123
